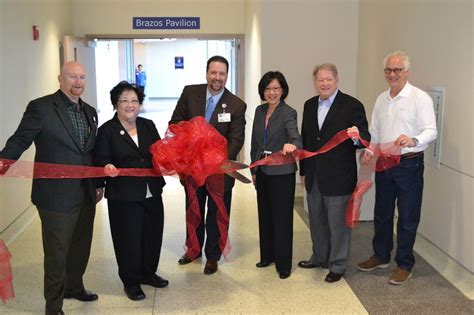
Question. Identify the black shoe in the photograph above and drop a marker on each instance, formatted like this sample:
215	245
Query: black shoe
156	281
184	260
309	265
211	267
284	274
84	296
47	312
134	293
263	264
333	277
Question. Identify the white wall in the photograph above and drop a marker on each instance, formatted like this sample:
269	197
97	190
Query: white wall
253	54
438	35
163	80
294	36
29	70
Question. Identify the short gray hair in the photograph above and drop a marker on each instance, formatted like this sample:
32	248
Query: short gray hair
403	55
325	66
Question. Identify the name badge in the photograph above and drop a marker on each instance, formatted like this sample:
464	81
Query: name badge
223	117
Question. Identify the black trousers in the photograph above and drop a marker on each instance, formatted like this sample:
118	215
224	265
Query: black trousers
208	222
275	199
67	238
137	235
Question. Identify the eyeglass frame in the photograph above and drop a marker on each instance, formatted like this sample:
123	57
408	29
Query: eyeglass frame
396	71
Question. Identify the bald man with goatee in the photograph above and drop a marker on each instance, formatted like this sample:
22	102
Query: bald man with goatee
63	128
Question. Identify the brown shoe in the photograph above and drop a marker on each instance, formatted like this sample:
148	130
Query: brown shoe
371	264
399	276
211	267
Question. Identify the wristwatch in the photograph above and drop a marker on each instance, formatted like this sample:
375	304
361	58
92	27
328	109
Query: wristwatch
415	140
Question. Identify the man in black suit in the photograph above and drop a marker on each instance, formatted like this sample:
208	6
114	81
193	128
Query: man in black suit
330	178
63	129
225	112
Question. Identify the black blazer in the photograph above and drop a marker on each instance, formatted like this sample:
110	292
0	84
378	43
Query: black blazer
336	170
282	128
46	122
115	146
192	103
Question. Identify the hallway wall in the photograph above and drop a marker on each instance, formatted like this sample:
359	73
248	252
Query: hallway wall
115	16
28	69
438	36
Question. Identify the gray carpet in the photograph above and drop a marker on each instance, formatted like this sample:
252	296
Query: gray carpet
427	292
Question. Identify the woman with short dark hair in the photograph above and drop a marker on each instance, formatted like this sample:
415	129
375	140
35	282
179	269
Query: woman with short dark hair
275	129
135	204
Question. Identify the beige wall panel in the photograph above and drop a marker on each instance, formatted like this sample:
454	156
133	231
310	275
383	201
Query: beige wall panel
115	16
297	35
30	70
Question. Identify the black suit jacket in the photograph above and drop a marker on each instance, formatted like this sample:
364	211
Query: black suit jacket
282	128
115	146
192	103
46	122
336	170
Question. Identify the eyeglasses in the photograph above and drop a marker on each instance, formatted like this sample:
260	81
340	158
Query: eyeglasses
394	70
133	102
272	88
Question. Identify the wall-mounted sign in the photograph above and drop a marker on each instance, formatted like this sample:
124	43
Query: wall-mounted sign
179	62
166	23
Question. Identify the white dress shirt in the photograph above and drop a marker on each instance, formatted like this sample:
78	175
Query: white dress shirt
323	108
410	112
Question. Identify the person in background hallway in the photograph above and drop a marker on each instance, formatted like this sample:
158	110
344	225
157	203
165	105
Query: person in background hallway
403	115
330	178
225	112
140	79
63	128
135	204
275	129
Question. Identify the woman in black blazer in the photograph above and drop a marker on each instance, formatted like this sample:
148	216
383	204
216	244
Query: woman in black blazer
275	129
135	203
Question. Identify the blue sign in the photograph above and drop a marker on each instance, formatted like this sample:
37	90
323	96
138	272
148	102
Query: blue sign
166	23
179	62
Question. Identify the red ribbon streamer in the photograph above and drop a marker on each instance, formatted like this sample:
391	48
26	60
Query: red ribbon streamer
6	277
194	150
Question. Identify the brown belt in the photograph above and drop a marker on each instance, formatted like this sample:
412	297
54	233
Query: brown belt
411	155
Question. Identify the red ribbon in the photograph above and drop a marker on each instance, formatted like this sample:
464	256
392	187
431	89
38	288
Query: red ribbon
6	277
194	150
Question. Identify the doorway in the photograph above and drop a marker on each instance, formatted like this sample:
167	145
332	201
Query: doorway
169	64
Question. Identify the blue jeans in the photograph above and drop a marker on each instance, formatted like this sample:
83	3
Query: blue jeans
403	184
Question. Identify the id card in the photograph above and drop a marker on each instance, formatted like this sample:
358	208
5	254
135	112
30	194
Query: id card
223	117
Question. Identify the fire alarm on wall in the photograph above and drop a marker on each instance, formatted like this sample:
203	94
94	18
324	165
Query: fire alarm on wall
36	32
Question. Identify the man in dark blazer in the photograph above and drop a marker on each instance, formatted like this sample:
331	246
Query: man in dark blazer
225	112
63	129
330	178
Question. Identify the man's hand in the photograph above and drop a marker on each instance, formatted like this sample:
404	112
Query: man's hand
405	141
111	170
353	133
365	156
288	148
99	194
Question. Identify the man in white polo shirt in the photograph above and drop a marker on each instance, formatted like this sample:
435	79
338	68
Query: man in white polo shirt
403	115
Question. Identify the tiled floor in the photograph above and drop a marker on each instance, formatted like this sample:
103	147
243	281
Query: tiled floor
237	287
